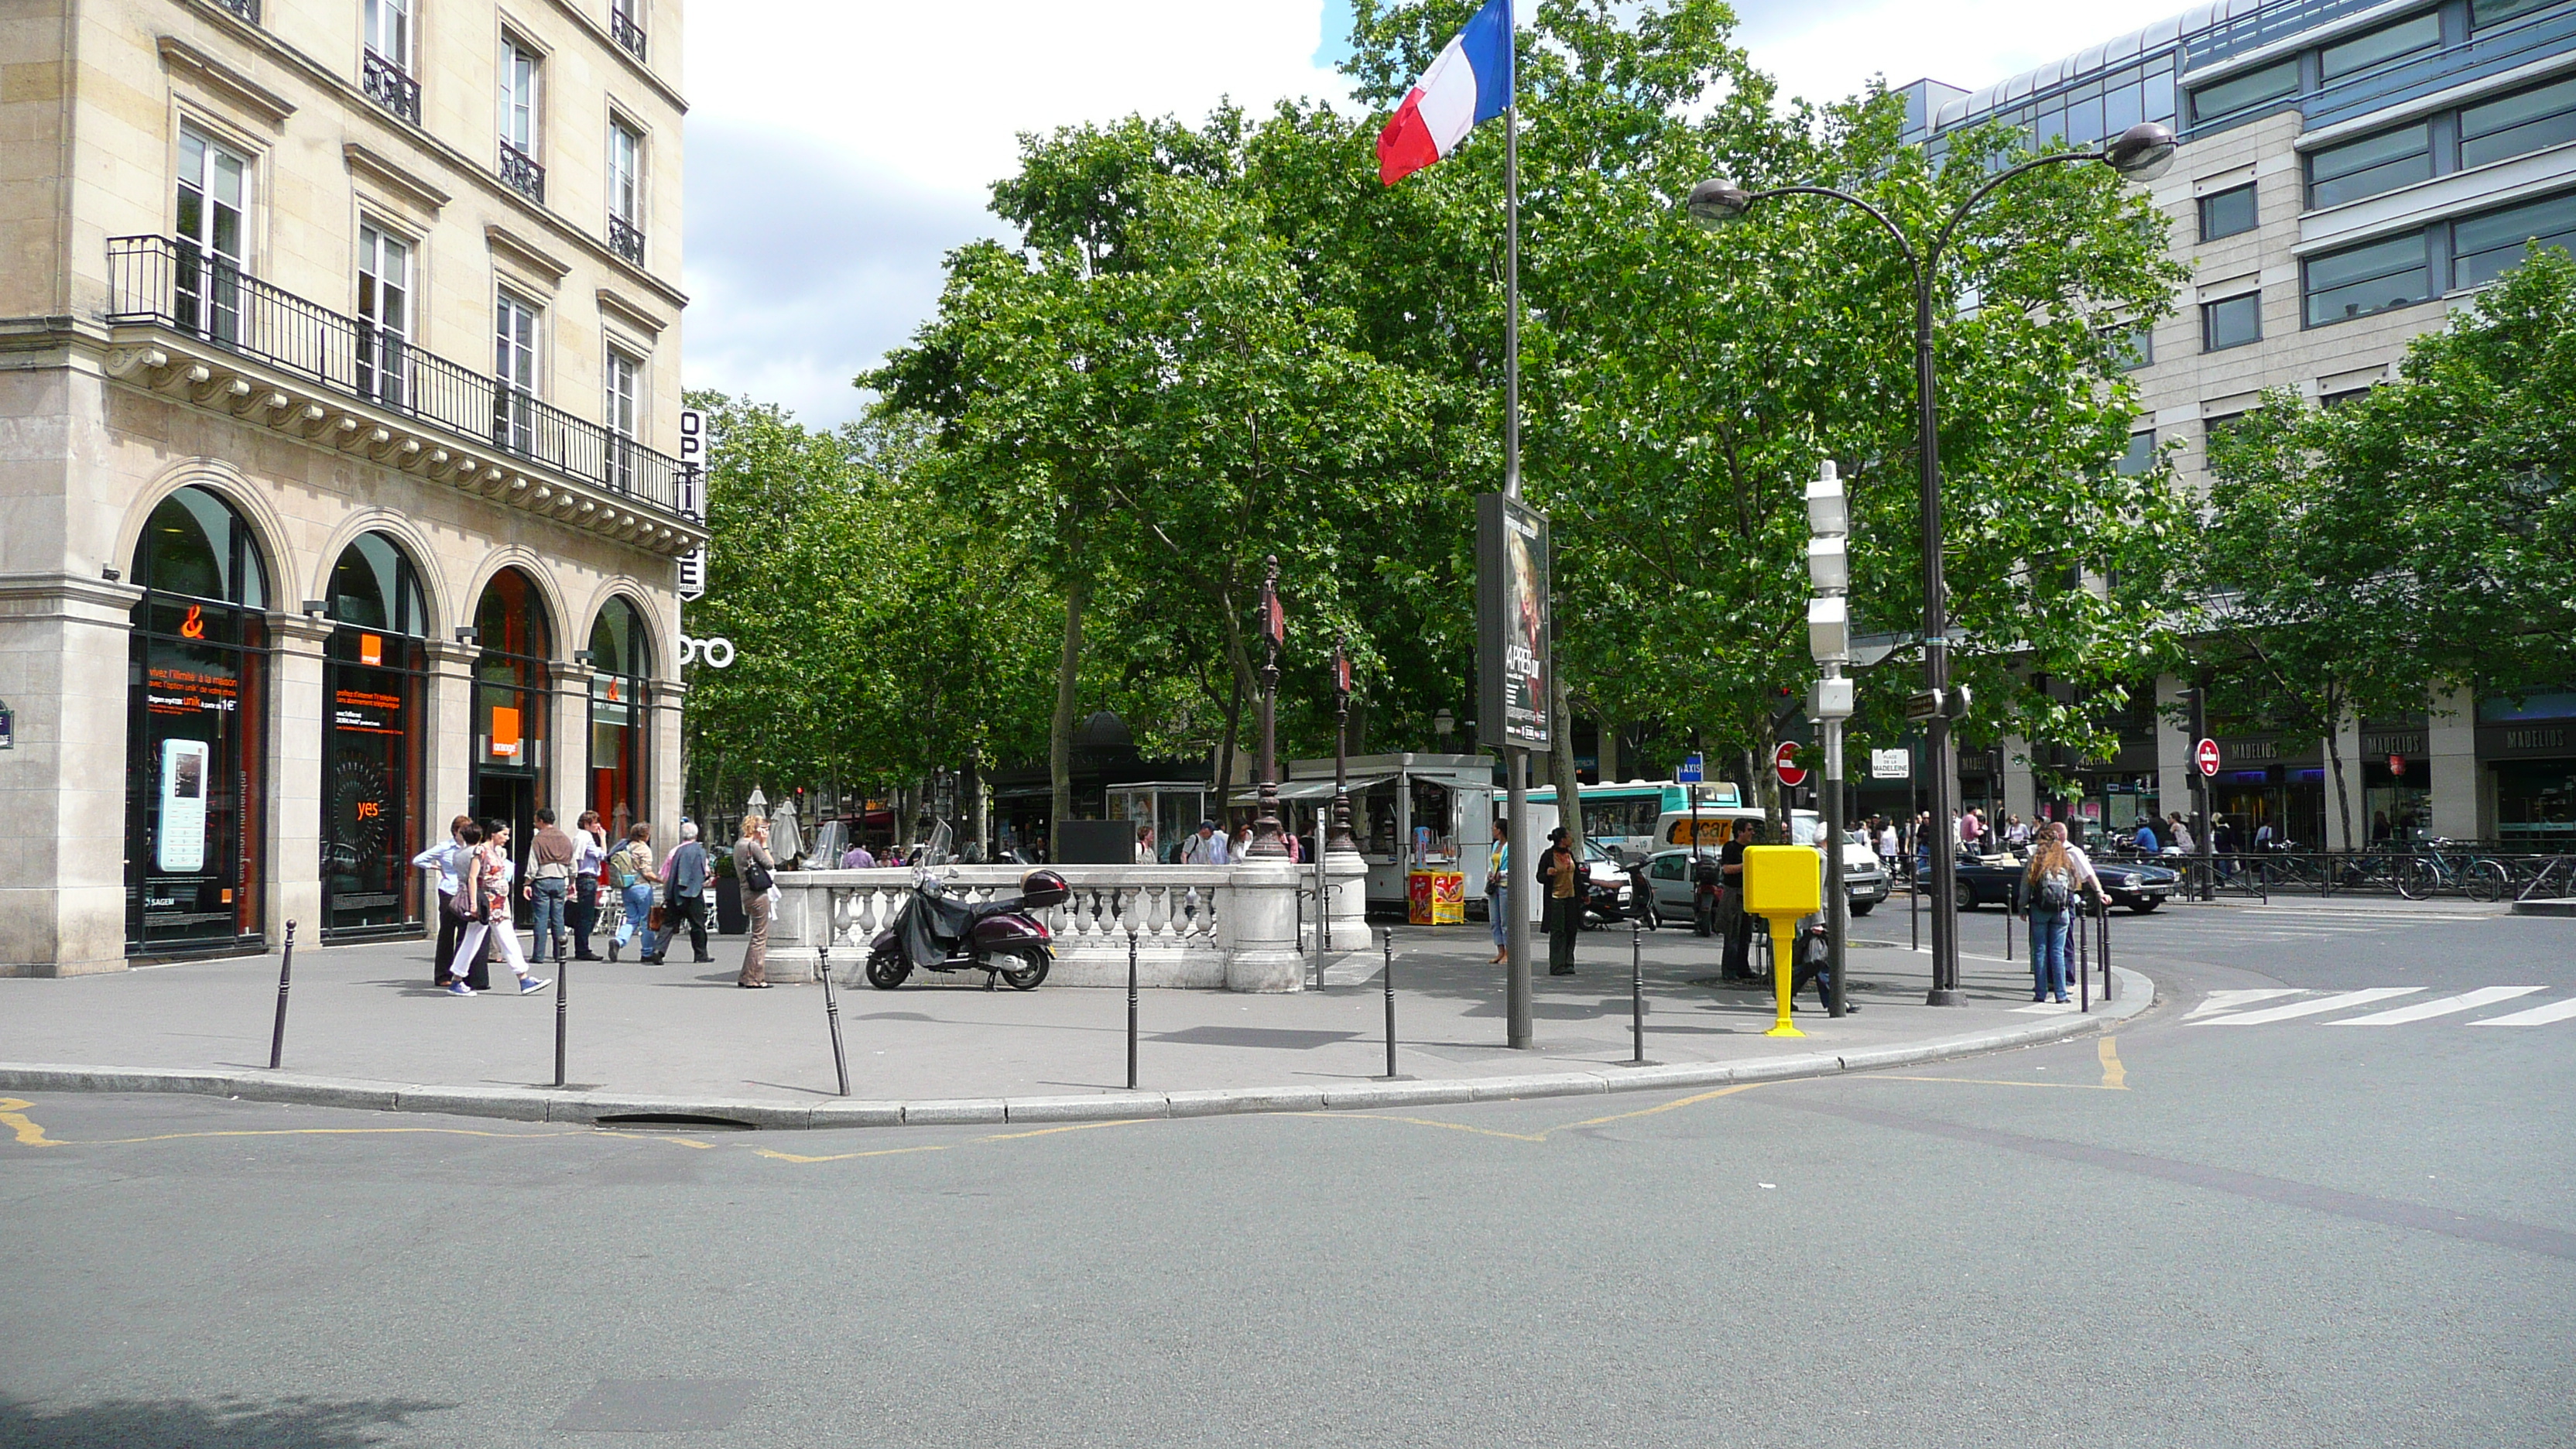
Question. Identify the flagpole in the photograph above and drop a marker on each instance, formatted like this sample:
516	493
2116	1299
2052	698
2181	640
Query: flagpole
1518	1031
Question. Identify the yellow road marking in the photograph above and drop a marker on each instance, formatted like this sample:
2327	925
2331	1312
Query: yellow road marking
1425	1122
844	1156
2114	1075
13	1116
1669	1106
1071	1127
1979	1082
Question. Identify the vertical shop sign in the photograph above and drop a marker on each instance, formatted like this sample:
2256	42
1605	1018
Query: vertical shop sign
182	844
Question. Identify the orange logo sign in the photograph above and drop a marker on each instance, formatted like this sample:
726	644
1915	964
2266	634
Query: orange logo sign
194	626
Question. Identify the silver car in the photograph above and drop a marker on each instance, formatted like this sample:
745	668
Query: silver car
1668	877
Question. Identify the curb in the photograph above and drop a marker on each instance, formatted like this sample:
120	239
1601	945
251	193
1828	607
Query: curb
538	1104
2544	908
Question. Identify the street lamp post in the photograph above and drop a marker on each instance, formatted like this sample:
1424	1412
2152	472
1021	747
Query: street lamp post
1265	826
2141	153
1339	839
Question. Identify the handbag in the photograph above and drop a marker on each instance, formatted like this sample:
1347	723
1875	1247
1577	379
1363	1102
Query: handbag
657	920
755	878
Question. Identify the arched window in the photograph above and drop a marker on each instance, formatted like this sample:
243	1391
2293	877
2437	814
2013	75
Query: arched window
373	736
620	717
196	733
514	680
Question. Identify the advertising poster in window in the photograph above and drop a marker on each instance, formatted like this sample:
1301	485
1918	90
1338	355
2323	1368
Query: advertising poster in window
1513	641
182	844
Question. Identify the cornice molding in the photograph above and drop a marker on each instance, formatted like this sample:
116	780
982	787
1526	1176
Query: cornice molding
406	187
629	313
526	253
181	58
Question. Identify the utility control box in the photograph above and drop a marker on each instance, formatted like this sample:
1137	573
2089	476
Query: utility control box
1783	880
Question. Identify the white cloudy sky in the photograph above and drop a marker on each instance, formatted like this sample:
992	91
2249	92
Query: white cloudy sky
839	148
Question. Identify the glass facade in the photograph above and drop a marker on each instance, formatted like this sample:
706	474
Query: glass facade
620	718
196	744
373	737
513	684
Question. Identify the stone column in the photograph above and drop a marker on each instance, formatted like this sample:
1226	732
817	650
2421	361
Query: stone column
1263	928
2348	741
1346	871
2173	751
568	781
2451	738
447	755
292	889
2021	784
63	651
662	746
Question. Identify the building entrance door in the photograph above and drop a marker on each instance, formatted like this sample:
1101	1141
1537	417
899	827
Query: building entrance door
510	798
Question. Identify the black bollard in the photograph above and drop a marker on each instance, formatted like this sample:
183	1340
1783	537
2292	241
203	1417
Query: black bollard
832	1013
1914	909
2012	903
1131	1011
2110	984
2083	933
563	998
285	974
1637	990
1390	1003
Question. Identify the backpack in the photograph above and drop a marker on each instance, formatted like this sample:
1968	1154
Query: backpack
621	869
2054	892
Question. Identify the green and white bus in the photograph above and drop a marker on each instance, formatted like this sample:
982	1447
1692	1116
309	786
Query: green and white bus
1624	815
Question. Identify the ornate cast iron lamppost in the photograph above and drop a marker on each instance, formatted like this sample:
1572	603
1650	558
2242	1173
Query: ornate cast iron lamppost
1266	841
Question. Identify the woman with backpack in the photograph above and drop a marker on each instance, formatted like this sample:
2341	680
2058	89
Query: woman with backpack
2057	877
631	875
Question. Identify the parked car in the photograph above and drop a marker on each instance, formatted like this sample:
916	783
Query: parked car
1668	874
1994	879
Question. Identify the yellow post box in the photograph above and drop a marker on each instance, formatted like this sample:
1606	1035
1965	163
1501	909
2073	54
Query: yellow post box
1781	884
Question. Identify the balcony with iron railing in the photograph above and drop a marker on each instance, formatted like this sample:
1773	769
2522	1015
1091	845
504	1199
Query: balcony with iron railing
522	174
625	239
208	304
628	33
246	9
389	86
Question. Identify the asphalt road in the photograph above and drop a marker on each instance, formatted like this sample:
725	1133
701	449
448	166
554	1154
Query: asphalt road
2275	1231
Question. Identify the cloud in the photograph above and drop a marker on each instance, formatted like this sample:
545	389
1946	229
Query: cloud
838	151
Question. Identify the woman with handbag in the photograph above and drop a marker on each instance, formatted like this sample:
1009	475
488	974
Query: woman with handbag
486	889
752	865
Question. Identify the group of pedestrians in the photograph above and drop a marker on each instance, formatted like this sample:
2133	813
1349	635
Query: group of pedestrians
571	874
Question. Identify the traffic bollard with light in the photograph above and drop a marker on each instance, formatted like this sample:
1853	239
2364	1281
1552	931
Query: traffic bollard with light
1390	1006
1783	883
1131	1011
1637	990
563	996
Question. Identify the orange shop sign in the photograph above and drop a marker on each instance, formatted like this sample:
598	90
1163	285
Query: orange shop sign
505	734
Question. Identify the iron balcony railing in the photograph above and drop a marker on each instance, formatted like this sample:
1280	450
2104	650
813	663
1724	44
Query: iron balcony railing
625	240
171	283
246	9
628	33
389	87
522	173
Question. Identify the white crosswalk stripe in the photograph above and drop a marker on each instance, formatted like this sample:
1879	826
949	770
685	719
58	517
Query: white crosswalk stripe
2444	1006
2230	1000
2338	1002
2536	1016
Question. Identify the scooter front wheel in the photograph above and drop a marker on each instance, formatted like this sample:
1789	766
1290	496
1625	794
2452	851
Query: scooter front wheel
885	973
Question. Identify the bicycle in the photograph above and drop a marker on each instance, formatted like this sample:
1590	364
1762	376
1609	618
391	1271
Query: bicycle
2434	868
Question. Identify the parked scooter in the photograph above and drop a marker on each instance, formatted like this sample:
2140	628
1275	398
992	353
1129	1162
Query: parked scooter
1003	939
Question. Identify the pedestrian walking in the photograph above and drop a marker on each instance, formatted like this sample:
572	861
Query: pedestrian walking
1560	874
752	865
2016	831
2179	832
1733	919
1498	887
447	858
1145	845
686	874
632	876
855	858
1208	847
486	885
589	858
1887	846
2057	877
549	888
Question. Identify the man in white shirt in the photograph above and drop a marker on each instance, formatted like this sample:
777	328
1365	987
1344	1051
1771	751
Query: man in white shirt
1208	847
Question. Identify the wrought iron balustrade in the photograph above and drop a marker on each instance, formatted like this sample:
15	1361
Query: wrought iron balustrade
170	283
628	33
522	174
246	9
625	240
388	86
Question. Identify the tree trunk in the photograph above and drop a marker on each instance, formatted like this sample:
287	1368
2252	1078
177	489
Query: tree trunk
1569	789
1060	730
2334	756
1775	801
979	819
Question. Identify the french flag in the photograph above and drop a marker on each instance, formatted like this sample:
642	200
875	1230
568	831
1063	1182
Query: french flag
1468	85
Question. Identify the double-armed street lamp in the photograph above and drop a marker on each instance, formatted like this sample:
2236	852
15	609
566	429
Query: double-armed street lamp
2141	153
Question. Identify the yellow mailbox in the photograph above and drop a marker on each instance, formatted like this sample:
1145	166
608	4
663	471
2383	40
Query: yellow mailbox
1781	884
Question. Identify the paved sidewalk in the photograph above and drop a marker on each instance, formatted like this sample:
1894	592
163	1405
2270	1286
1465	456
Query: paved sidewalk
367	1029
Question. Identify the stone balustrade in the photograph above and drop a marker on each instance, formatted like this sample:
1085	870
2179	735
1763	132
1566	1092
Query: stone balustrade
1208	928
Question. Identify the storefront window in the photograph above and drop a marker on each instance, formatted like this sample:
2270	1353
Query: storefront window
619	742
372	738
197	690
2536	803
512	679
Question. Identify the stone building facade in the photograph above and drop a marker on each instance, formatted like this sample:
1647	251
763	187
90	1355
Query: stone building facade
2352	172
339	384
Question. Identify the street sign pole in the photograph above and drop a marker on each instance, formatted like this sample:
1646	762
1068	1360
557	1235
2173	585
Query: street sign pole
2204	769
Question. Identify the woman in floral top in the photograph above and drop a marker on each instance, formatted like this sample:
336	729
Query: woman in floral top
486	888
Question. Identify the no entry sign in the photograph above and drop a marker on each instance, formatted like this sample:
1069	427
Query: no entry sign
2205	755
1784	763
